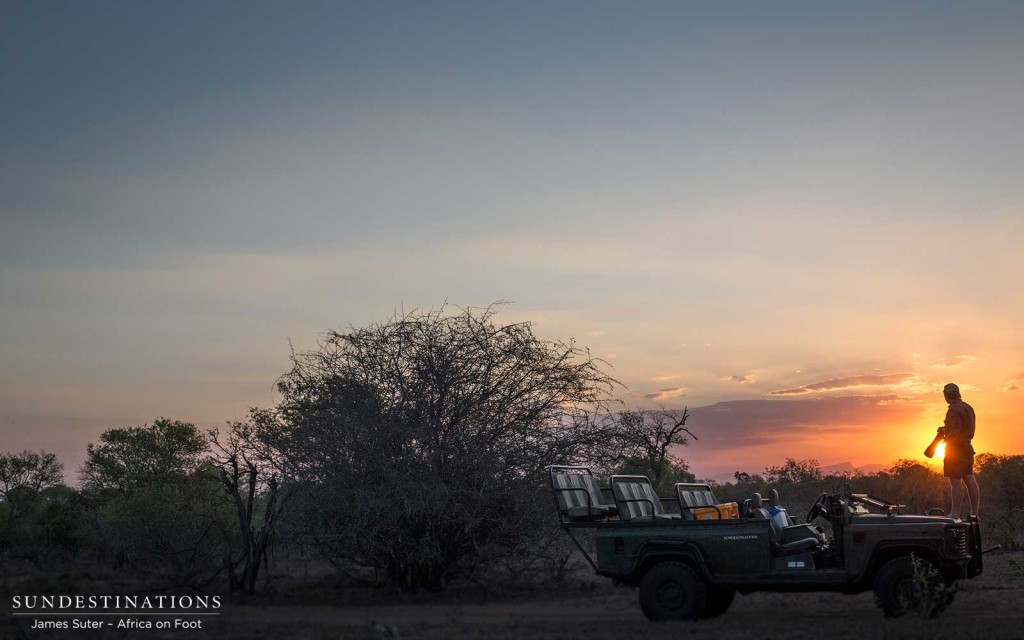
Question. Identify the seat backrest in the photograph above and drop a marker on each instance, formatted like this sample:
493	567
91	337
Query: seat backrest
575	487
635	497
751	505
695	495
691	494
758	512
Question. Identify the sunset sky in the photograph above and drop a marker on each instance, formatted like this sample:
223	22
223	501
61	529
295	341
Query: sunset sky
800	219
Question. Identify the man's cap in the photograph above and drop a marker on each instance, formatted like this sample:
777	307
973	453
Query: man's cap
951	390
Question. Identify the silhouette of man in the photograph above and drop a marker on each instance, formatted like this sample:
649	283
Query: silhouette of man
958	461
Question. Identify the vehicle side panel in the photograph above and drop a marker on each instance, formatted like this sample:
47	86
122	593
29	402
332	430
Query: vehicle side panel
728	547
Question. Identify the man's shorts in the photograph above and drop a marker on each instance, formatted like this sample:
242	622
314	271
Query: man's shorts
957	464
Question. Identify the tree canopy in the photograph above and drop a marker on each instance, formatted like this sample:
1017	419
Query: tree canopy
430	432
135	456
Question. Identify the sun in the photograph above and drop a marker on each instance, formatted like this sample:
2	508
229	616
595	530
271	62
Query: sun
940	451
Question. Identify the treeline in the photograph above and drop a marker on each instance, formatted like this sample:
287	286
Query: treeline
918	486
410	453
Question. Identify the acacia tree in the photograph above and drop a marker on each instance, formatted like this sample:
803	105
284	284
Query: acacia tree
426	436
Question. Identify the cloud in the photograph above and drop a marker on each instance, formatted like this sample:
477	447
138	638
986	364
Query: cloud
853	382
750	434
664	378
595	334
955	361
664	394
1012	385
740	379
738	423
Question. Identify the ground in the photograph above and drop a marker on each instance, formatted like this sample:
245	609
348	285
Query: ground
988	607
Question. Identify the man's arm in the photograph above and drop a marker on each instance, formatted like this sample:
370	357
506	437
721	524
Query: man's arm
953	425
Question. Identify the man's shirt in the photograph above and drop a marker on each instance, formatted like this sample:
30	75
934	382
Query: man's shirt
959	424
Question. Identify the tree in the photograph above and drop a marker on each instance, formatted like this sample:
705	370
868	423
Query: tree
641	442
663	473
248	476
25	474
742	477
794	472
426	436
156	503
131	457
1002	481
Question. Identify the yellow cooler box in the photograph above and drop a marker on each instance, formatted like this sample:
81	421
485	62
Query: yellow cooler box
730	511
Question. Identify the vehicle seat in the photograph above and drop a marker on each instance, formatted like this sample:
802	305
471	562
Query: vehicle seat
578	495
694	495
637	500
800	537
777	511
752	503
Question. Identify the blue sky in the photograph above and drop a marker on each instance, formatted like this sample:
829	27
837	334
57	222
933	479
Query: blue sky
724	199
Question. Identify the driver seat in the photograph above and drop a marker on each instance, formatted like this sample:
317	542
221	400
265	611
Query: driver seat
798	537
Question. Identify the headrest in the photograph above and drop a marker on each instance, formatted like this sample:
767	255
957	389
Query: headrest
755	499
773	498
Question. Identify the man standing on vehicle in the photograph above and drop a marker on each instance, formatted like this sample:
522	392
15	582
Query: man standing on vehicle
958	461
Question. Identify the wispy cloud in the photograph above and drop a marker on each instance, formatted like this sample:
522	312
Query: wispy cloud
1012	385
853	382
740	379
955	361
665	378
664	394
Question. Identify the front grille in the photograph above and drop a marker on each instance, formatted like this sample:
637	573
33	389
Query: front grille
957	541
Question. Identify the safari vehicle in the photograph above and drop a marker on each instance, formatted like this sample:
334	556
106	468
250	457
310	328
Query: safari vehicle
689	556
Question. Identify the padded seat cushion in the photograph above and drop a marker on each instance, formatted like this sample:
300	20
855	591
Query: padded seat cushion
799	537
803	544
798	532
600	511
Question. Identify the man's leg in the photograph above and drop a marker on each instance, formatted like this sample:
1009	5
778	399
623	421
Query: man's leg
956	491
973	493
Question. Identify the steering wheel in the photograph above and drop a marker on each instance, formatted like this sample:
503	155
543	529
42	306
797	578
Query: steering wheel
818	509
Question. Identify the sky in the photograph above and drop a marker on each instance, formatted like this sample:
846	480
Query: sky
799	219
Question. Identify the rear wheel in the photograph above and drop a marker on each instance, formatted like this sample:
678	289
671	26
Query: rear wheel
672	591
718	601
911	584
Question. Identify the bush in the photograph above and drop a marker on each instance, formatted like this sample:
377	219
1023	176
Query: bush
178	533
422	441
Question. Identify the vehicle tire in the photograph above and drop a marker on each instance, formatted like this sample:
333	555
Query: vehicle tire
718	601
898	590
672	591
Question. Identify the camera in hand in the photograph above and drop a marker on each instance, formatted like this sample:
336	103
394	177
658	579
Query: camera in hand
940	435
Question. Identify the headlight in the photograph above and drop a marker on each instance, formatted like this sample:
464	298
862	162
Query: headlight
956	541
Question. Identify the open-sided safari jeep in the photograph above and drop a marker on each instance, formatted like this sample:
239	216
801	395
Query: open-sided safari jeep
689	554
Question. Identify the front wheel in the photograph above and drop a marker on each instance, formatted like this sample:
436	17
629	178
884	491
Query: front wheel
672	591
911	583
